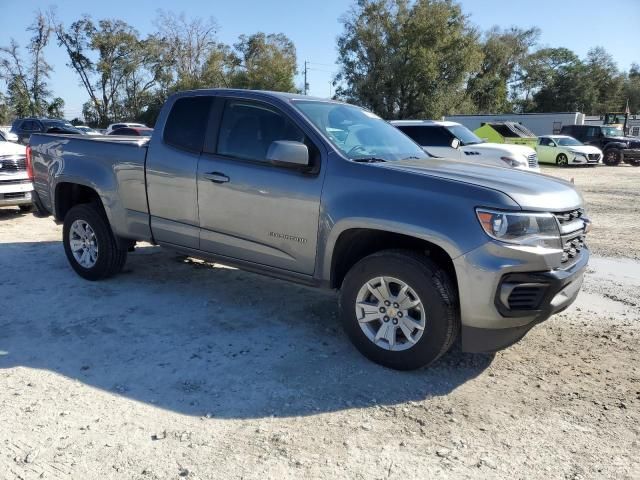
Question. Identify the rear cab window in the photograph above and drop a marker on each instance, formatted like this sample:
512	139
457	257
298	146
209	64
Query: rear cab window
187	123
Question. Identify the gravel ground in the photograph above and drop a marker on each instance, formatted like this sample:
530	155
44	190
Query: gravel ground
184	369
613	203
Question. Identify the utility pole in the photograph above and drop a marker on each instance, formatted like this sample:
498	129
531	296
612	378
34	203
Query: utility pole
306	84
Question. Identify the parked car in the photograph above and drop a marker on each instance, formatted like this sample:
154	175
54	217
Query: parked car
326	194
452	140
115	126
7	136
24	127
133	131
16	177
564	150
611	140
64	130
87	130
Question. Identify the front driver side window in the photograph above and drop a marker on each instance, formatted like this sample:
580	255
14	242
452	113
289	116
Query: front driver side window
248	129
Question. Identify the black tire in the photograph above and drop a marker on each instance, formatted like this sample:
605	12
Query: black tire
612	157
562	160
26	208
434	288
110	259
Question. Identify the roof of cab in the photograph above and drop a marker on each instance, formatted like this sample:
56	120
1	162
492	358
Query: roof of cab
247	93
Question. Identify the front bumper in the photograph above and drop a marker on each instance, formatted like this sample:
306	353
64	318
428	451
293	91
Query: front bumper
15	193
491	318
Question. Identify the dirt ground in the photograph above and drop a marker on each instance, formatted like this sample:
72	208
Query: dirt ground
613	203
182	369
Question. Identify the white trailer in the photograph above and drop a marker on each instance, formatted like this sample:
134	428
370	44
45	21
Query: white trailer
538	123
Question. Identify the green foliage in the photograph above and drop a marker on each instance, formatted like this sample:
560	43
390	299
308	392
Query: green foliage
406	59
265	62
399	58
503	54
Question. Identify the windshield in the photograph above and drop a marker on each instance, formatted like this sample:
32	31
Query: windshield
359	134
568	142
466	136
612	132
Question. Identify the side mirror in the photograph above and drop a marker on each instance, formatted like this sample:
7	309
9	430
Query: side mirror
455	143
552	144
287	153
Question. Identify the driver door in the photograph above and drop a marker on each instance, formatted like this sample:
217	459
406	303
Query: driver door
251	209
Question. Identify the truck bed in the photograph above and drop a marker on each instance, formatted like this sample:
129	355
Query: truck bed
113	166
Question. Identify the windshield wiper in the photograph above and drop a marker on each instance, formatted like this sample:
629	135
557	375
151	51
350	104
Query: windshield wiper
368	160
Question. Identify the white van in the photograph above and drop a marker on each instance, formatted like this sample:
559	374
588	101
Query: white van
452	140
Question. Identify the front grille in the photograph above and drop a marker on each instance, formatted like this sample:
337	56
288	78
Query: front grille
572	233
13	196
15	164
526	297
14	182
533	160
594	156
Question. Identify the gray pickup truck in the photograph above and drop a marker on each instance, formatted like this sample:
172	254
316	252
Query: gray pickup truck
423	250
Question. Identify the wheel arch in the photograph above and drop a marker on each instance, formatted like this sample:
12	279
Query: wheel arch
69	194
354	244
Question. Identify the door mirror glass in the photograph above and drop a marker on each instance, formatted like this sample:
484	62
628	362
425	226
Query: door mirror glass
288	153
455	143
552	144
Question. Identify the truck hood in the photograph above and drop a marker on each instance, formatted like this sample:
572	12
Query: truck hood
633	142
532	191
10	148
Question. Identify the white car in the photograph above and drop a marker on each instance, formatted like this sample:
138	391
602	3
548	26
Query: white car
7	136
87	130
564	150
16	185
116	126
452	140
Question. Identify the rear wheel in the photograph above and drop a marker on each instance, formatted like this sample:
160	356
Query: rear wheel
89	243
612	157
399	309
562	160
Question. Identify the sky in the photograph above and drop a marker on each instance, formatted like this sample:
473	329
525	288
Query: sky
314	27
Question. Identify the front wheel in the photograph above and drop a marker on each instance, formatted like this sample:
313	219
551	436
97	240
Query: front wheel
399	309
89	243
562	160
612	157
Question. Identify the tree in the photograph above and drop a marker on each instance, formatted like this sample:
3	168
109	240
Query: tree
55	109
265	62
189	53
116	45
405	59
26	81
503	54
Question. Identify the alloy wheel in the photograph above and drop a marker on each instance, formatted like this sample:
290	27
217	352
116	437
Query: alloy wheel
83	243
390	313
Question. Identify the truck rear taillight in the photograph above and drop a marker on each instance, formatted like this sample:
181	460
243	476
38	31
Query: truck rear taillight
29	163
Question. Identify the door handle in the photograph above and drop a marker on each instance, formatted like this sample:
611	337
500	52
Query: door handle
216	177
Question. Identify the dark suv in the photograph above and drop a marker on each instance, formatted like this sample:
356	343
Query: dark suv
615	146
24	127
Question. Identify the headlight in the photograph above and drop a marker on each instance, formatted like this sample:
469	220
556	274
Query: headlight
533	229
514	161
